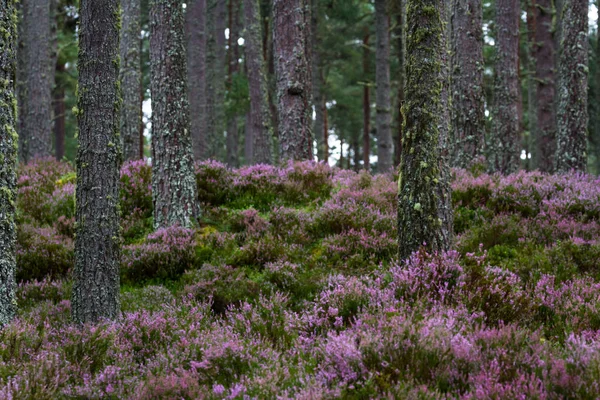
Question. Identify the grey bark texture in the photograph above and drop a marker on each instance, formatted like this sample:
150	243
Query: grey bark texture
366	104
173	180
401	49
505	139
131	79
385	145
419	222
468	118
35	137
571	150
196	61
291	47
317	91
8	161
233	56
97	243
260	133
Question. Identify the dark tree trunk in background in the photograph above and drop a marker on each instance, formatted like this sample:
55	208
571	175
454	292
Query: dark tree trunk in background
8	166
366	106
233	55
596	140
420	176
355	147
173	180
260	134
60	111
468	108
131	79
97	243
36	136
317	91
571	151
505	138
196	58
291	47
385	145
401	43
543	57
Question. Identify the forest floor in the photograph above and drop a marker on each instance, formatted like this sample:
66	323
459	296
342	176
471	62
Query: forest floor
290	288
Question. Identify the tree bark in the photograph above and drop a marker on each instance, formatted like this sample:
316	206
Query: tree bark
366	105
97	243
420	177
596	140
401	33
468	113
505	140
60	113
291	34
173	180
260	133
571	150
233	67
385	146
317	90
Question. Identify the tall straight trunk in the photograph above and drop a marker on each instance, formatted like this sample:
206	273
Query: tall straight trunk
571	150
260	134
355	147
385	145
60	114
196	59
317	91
131	79
420	177
36	135
531	84
505	140
233	56
542	52
401	33
325	130
291	47
366	106
173	180
8	166
97	243
468	112
596	141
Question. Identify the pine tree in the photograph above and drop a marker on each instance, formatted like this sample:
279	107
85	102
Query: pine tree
233	67
173	180
319	130
97	243
385	146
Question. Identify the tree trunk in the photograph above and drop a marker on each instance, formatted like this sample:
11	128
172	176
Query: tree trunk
97	243
385	146
36	135
233	67
573	86
260	133
468	112
366	106
173	180
131	79
60	113
420	176
596	141
291	47
505	140
400	21
8	166
317	91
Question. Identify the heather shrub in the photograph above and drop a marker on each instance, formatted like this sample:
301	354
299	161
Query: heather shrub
291	225
151	298
136	189
214	182
33	292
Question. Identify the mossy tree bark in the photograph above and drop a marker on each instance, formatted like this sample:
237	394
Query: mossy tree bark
291	47
468	118
97	243
385	145
8	161
419	222
571	150
173	180
260	132
505	139
131	79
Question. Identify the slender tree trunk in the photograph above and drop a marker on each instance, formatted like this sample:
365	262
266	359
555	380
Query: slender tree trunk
505	140
571	151
97	244
468	112
173	180
325	130
196	58
531	83
385	146
233	67
291	47
131	79
366	106
355	152
317	91
420	176
596	141
60	113
8	166
260	133
400	21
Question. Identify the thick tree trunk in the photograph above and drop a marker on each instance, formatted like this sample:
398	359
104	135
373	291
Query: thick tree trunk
131	79
571	151
36	135
420	177
317	91
60	113
291	47
8	166
173	180
366	106
97	244
468	112
385	146
260	133
505	139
